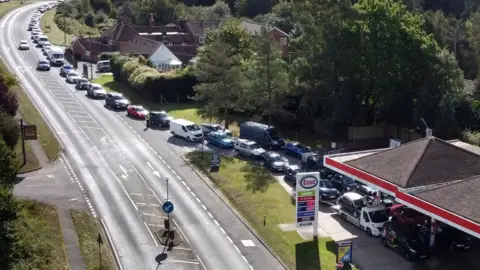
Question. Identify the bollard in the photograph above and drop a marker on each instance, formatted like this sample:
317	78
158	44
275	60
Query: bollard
264	220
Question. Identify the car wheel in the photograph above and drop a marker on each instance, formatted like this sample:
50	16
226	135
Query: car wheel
369	232
173	133
270	147
189	139
237	152
252	156
220	146
408	257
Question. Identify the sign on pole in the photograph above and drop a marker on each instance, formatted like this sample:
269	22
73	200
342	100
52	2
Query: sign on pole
344	251
30	132
215	163
307	200
167	207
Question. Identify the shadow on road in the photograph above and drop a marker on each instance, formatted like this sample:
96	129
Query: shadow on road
307	255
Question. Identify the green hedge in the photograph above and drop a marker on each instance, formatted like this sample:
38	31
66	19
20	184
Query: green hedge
149	83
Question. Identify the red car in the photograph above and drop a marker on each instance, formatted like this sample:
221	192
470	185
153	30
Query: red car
407	215
137	111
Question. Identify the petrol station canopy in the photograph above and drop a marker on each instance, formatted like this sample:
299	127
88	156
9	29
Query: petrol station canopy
436	177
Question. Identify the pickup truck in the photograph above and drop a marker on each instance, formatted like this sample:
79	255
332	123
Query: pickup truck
353	207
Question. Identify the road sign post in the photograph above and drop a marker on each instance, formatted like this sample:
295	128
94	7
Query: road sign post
307	200
100	243
28	133
167	207
215	163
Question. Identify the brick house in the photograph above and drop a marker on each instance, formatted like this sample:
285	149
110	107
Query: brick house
89	49
280	36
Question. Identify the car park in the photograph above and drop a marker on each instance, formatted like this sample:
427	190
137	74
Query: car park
209	127
96	91
248	148
296	149
327	193
160	119
23	45
82	84
43	65
291	173
343	183
116	100
65	69
73	76
186	129
404	240
274	161
137	111
264	135
354	208
220	139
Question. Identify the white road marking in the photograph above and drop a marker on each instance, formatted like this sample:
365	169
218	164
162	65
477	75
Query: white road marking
82	121
180	261
229	239
139	194
248	243
80	116
180	229
90	127
151	234
43	185
201	262
216	222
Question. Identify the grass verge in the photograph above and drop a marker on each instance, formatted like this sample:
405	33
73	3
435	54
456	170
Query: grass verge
8	6
254	192
39	230
51	30
190	111
87	230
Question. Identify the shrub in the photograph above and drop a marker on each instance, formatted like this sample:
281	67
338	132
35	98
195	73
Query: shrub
8	99
89	19
9	129
100	18
107	55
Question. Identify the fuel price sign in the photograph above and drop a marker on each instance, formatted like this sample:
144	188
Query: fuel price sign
307	199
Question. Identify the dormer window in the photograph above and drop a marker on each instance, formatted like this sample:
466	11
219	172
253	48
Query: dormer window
201	39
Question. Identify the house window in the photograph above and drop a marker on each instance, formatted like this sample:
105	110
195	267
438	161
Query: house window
169	44
184	44
283	41
201	39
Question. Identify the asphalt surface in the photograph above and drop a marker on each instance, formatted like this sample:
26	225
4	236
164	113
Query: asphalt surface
124	170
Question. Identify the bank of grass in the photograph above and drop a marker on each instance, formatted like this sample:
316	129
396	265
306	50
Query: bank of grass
87	228
39	230
254	192
190	111
8	6
52	31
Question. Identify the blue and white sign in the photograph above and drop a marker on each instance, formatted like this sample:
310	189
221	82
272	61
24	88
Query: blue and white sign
307	199
167	207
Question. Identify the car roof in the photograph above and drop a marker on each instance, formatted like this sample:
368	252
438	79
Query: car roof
249	142
217	133
272	154
158	112
183	122
23	41
352	196
117	94
294	167
137	106
67	66
43	61
294	143
95	84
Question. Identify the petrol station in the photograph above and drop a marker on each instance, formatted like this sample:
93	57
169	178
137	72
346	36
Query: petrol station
438	178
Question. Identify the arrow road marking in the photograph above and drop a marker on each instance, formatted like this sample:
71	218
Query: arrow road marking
103	140
157	173
125	174
23	68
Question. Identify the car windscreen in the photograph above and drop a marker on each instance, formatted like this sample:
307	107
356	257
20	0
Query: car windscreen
348	180
325	184
254	146
72	74
118	97
223	136
43	39
43	62
276	158
192	127
272	132
414	240
58	56
96	87
23	42
360	203
379	216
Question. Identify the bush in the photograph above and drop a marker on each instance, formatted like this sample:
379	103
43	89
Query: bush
9	130
89	19
107	55
8	99
100	18
149	83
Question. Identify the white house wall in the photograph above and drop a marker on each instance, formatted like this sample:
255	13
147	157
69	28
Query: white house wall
162	55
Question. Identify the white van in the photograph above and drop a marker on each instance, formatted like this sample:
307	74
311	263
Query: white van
186	129
42	39
56	56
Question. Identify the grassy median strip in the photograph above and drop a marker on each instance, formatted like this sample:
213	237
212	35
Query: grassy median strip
257	195
55	35
87	230
40	234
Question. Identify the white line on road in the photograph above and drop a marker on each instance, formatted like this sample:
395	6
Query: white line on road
216	222
80	116
82	121
180	261
139	194
129	198
141	203
151	234
90	127
44	185
180	229
201	262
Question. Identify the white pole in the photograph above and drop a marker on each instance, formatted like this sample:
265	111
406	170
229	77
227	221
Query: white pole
317	202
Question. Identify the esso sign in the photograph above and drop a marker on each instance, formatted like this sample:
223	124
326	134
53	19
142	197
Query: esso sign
309	182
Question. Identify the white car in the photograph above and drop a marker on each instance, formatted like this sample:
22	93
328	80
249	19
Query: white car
73	76
46	44
46	48
24	45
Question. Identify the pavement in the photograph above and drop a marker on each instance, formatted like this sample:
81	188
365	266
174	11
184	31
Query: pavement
123	172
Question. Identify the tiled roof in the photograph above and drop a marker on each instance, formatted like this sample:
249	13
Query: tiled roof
140	46
253	29
460	198
96	45
427	161
155	29
198	28
184	53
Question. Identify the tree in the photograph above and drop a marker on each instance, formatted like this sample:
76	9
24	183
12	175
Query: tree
10	249
233	35
222	81
268	76
8	165
8	99
446	124
9	130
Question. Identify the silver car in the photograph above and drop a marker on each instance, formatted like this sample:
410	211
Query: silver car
248	148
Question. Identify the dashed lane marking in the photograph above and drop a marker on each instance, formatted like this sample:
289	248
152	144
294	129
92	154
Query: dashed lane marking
179	261
151	234
248	243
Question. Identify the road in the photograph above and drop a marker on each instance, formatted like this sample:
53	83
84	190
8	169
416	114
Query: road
123	171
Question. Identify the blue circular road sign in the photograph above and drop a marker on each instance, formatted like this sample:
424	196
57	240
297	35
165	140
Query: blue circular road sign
167	207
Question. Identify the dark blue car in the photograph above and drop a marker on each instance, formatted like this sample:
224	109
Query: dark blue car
296	149
65	69
220	139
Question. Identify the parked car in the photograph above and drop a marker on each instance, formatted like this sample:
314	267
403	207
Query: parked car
291	173
327	192
65	69
274	161
186	129
160	119
343	183
116	101
73	76
296	149
43	65
137	111
248	148
30	26
405	240
24	45
406	215
220	139
264	135
82	84
448	237
103	66
208	127
95	90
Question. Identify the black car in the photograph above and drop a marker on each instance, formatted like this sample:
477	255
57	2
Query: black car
327	193
343	183
160	119
274	162
291	173
405	240
452	239
116	101
207	128
82	84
